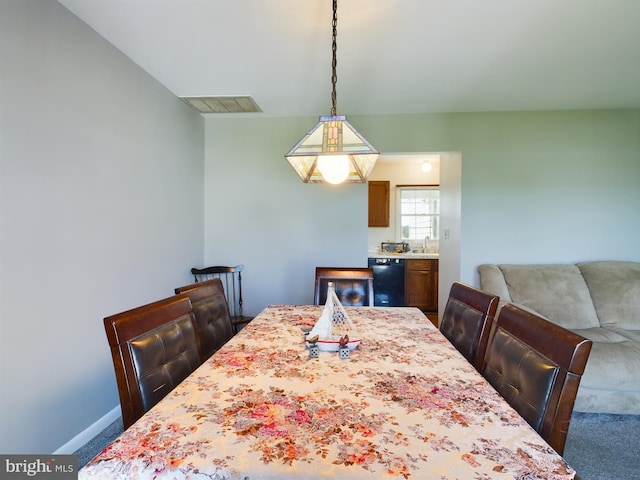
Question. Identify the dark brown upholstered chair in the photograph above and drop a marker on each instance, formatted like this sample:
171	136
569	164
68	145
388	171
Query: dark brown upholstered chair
154	347
231	278
353	286
467	319
536	366
213	322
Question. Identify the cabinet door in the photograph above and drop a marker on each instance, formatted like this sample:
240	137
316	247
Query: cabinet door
421	284
379	203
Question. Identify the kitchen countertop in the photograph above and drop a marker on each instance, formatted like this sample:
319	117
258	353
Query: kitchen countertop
405	255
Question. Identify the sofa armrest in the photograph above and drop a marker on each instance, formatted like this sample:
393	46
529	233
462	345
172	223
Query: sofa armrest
492	281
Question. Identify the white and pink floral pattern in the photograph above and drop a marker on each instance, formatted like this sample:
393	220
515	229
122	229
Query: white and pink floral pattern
405	405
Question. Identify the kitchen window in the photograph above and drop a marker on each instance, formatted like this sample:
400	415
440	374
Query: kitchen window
418	213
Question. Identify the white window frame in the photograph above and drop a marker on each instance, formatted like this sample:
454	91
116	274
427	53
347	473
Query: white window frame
431	218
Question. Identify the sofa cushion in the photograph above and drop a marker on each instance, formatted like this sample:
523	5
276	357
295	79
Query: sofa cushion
615	291
492	281
557	292
614	361
604	335
633	335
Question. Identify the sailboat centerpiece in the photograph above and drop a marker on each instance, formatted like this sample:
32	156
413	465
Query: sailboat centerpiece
334	325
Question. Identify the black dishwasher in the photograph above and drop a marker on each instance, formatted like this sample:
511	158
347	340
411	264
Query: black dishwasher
388	281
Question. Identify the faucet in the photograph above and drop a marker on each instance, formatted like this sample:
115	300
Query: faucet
424	244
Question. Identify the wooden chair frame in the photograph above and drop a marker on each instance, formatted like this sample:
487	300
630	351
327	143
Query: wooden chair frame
537	366
211	310
357	274
142	381
467	319
231	278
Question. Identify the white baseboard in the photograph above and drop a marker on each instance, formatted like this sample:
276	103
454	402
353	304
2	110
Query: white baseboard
89	433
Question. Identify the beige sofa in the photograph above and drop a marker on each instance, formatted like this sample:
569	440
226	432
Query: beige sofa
599	300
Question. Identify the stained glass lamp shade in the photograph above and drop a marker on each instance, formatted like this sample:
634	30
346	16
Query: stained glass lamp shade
333	151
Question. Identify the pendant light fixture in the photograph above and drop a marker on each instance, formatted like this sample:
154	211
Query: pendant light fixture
333	151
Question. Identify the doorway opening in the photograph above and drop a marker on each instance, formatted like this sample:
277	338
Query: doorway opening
446	171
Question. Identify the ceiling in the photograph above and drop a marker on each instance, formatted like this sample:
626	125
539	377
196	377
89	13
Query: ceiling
394	56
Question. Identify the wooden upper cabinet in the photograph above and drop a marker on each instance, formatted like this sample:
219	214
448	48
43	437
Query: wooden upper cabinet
379	203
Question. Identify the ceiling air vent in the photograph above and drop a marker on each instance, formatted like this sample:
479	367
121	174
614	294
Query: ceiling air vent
223	104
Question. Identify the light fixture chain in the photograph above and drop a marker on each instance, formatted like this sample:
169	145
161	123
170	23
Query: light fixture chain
334	62
320	157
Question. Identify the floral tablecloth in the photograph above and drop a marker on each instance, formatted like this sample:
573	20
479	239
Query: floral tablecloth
405	405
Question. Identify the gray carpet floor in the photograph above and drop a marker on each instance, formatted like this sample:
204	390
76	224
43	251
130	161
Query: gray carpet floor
99	442
599	446
604	447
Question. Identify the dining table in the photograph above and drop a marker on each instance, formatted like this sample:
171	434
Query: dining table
404	404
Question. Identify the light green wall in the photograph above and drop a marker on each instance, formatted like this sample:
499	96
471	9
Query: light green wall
101	210
536	187
259	213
